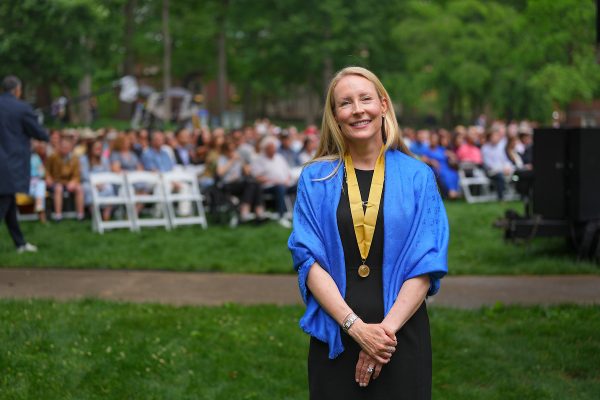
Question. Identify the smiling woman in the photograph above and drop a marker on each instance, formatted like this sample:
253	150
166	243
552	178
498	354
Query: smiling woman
369	243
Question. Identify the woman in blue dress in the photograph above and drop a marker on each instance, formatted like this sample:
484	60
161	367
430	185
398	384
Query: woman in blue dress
369	243
440	158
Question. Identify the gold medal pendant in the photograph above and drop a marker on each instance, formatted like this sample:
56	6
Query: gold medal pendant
364	271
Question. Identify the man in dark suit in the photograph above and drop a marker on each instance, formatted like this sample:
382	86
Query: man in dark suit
18	124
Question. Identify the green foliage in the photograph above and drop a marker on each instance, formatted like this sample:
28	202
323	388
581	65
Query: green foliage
57	41
99	350
475	248
453	59
519	62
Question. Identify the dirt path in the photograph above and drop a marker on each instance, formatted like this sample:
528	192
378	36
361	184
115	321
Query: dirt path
195	288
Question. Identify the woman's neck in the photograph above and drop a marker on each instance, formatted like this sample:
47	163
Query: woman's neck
364	155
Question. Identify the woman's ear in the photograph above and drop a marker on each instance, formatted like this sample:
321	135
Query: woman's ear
384	105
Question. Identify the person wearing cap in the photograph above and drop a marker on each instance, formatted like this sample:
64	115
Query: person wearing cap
369	243
18	125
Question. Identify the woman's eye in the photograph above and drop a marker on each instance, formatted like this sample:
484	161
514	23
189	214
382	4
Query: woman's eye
344	103
366	99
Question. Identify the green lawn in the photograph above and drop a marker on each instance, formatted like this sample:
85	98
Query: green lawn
100	350
475	247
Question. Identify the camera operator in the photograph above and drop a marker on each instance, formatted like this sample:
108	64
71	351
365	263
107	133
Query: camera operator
18	124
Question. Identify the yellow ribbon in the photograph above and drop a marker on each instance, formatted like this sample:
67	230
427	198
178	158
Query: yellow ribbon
364	222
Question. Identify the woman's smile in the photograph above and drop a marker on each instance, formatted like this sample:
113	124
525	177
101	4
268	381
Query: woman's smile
360	124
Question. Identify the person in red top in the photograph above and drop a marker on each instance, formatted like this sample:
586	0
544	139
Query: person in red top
468	151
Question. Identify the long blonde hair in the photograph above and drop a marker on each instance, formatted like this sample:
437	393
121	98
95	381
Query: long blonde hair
332	145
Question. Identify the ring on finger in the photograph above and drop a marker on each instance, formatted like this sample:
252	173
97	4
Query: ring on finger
370	369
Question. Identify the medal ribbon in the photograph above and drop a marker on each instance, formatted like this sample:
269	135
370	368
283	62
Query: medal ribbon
364	222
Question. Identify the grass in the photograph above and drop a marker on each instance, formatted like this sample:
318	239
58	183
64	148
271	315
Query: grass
100	350
475	248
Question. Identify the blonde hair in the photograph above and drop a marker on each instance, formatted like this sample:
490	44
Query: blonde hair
332	145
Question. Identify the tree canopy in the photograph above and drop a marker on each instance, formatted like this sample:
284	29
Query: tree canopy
450	59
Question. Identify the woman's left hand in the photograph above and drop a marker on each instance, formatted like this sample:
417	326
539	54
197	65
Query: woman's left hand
365	364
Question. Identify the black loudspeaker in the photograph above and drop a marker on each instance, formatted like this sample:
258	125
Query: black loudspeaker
566	165
584	174
549	168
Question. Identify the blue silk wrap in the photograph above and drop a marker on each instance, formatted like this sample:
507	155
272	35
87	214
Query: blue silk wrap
415	235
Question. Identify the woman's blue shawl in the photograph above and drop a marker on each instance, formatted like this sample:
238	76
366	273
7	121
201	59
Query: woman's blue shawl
415	229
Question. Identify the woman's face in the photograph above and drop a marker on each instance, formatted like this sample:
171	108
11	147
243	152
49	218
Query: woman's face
126	143
97	148
358	108
445	141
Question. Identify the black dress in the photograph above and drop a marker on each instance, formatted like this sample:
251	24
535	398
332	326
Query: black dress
408	374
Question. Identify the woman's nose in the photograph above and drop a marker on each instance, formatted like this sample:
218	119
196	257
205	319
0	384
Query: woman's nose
357	107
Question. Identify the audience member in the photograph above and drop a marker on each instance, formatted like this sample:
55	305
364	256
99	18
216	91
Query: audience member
285	149
246	144
467	150
274	174
526	138
183	150
63	175
441	157
512	154
122	158
37	186
495	161
420	147
237	180
311	142
90	163
141	143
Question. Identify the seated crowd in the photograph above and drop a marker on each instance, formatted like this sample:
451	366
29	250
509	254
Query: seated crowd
257	163
500	150
261	161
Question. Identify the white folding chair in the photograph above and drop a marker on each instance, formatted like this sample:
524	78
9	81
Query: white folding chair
146	188
475	184
189	195
117	197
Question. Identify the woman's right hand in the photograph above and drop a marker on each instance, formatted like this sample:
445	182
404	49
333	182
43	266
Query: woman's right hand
375	340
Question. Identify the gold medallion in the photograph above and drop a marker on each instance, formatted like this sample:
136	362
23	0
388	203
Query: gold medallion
363	271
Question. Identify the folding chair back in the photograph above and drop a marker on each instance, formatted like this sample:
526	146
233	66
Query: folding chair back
146	188
116	196
181	187
474	183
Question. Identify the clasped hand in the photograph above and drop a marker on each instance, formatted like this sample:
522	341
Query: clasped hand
378	343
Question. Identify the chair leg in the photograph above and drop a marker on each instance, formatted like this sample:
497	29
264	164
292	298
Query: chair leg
171	214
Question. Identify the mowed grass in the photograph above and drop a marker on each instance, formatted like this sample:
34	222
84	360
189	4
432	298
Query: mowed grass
100	350
475	247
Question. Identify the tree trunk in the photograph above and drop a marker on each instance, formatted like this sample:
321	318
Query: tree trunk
128	66
128	60
43	97
166	60
85	88
222	64
247	102
71	114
